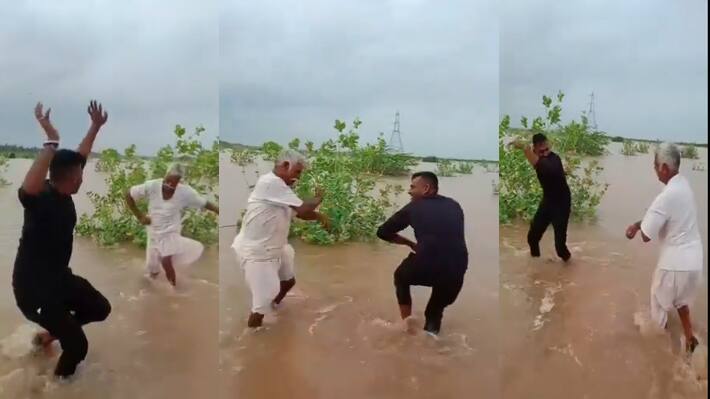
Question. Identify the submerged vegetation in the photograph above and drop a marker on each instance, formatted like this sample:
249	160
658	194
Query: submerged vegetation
690	152
112	223
577	145
3	169
448	168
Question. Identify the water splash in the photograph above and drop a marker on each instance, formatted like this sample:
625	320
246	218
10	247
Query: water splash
546	305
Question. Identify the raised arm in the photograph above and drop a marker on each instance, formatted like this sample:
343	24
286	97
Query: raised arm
98	118
528	151
35	177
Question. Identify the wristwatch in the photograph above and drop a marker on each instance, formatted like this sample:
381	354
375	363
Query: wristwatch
53	144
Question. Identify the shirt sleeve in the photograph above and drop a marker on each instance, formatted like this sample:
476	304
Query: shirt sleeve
655	218
396	223
281	194
27	201
193	199
139	192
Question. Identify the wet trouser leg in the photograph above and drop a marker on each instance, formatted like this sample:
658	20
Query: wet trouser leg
537	228
443	294
446	286
64	317
560	220
402	281
557	215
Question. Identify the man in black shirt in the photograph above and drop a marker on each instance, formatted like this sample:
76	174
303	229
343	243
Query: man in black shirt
439	258
46	290
556	203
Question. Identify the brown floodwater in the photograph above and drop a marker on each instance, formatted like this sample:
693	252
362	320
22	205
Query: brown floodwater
573	331
157	343
338	334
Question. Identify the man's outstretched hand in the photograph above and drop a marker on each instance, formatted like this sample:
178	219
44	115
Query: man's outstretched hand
43	119
632	230
97	114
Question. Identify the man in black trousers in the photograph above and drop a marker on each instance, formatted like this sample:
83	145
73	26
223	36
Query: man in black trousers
439	258
556	203
46	290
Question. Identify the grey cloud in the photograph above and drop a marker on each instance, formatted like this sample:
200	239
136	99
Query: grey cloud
290	68
152	65
645	61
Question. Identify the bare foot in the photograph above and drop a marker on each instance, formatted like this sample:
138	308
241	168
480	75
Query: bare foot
43	340
410	325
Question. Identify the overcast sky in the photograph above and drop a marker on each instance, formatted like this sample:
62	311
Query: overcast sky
646	62
290	68
152	66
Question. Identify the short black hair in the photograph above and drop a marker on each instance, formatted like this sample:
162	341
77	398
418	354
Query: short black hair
63	161
428	176
538	138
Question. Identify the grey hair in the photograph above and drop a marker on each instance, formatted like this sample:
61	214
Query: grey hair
293	157
176	169
669	154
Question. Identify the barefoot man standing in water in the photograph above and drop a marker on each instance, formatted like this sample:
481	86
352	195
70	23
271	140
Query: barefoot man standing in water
439	258
556	204
672	219
261	246
46	290
167	198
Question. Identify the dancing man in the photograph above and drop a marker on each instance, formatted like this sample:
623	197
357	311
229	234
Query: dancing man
46	290
556	204
167	198
261	246
439	258
672	219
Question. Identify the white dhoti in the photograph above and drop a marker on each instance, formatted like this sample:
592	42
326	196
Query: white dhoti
264	276
184	251
671	290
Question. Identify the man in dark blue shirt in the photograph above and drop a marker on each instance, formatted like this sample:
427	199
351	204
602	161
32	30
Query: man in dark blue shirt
556	204
439	258
46	290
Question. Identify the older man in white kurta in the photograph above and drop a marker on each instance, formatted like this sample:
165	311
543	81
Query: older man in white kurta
167	198
261	246
673	221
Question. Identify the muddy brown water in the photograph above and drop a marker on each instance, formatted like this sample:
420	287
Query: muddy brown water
338	335
569	331
155	344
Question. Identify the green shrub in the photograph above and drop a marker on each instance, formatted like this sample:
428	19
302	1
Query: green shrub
690	152
628	148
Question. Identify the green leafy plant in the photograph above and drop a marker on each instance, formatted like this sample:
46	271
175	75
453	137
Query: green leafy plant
112	223
690	152
464	167
642	147
628	148
519	191
448	168
445	168
3	168
353	200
